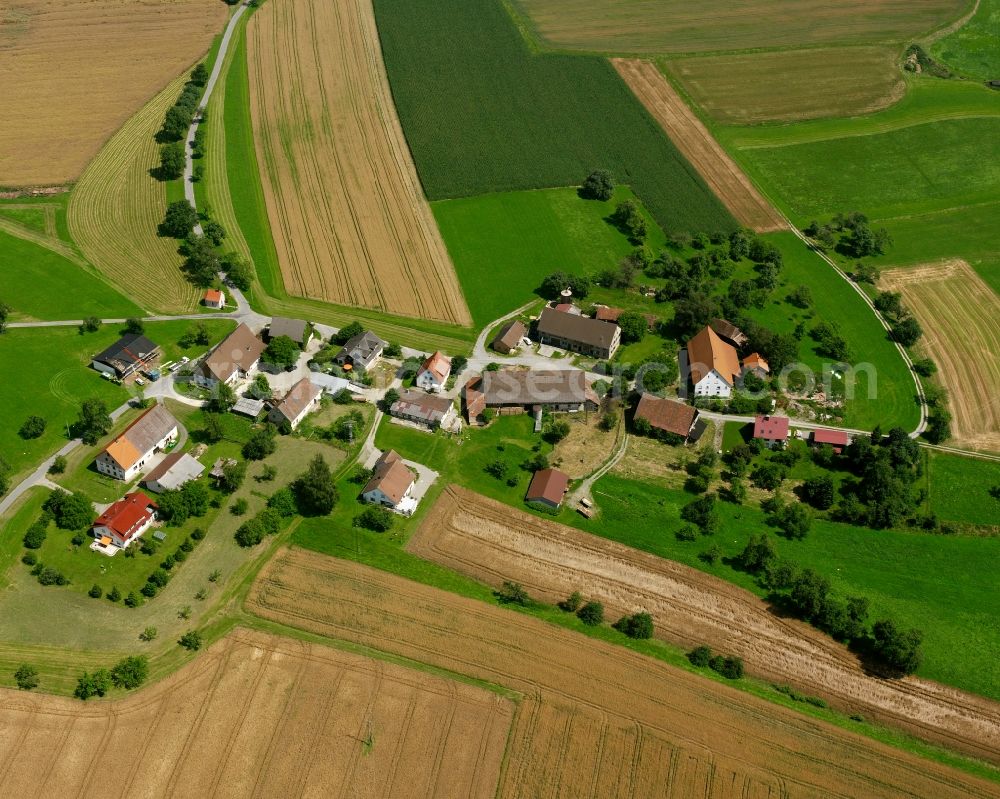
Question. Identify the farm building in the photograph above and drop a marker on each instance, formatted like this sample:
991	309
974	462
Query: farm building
838	439
577	333
123	522
434	372
509	337
126	356
361	351
296	404
548	486
235	358
391	484
605	313
248	407
755	364
666	415
713	364
510	391
426	409
772	430
214	299
730	332
298	330
172	472
125	457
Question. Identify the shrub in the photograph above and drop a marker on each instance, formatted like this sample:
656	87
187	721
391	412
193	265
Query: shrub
148	590
638	625
132	600
239	507
114	595
35	536
148	634
130	672
315	492
191	640
282	502
51	576
59	464
511	593
571	604
33	427
374	517
686	532
599	185
730	667
197	534
591	614
700	656
29	559
26	677
96	684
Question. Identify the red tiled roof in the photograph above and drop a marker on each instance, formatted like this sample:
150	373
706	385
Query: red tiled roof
606	314
124	515
548	485
390	476
664	414
771	428
213	295
439	365
756	361
837	438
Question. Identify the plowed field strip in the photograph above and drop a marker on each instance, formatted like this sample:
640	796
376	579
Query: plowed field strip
376	609
491	542
347	211
695	142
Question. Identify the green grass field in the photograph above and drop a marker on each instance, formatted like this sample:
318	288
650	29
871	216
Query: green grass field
972	49
42	284
502	245
959	488
482	113
939	584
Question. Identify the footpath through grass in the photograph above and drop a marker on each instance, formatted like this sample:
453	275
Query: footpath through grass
482	113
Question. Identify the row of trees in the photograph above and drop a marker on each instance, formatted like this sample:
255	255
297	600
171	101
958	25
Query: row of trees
176	123
850	234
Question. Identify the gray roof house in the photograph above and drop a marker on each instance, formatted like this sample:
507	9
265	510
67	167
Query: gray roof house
361	351
126	356
174	470
578	333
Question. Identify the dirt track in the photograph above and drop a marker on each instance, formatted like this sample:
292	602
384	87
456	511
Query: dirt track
597	720
258	715
492	542
347	211
695	142
958	312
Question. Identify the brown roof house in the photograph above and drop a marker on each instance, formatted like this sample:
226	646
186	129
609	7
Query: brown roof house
391	484
754	363
578	333
509	337
714	365
296	404
838	439
425	409
548	487
125	457
236	358
434	372
511	391
666	418
771	430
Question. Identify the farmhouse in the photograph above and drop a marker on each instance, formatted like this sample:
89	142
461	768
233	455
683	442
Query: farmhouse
172	472
838	439
125	457
509	337
772	430
296	404
298	330
668	416
578	333
124	521
391	484
513	391
755	364
126	356
548	487
729	332
236	358
361	351
714	365
214	299
425	409
434	372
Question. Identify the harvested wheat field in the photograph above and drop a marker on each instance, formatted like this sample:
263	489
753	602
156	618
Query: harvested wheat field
791	85
596	719
492	543
958	312
74	71
347	211
693	139
259	715
116	206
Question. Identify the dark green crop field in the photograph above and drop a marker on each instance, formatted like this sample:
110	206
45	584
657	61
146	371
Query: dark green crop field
483	114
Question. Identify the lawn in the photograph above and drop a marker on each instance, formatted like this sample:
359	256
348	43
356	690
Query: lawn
41	284
972	49
504	244
942	585
959	488
483	113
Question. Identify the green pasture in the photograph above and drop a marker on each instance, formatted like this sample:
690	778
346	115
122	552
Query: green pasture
482	113
943	585
41	284
959	488
502	245
972	49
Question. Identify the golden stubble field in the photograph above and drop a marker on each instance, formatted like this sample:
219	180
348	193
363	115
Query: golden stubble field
260	715
348	215
696	143
960	317
491	542
73	72
597	720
